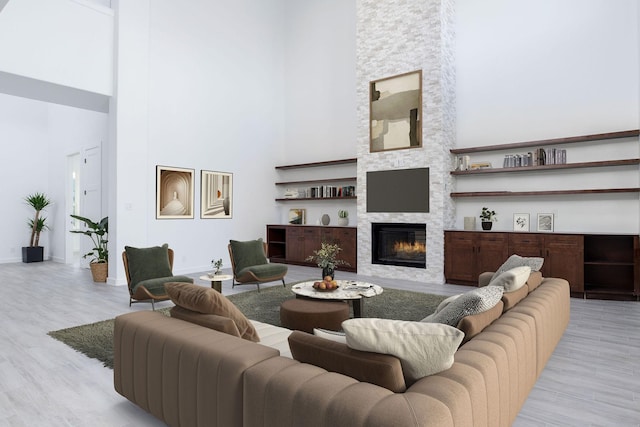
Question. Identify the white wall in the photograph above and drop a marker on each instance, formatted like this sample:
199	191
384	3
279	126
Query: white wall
36	138
32	44
550	69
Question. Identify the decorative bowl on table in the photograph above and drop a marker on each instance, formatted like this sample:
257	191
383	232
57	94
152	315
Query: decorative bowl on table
325	286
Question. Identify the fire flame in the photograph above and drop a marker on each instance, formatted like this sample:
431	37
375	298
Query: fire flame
410	248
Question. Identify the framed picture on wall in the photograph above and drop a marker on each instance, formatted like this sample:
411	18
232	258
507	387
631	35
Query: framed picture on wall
174	193
521	222
297	216
216	194
545	222
395	112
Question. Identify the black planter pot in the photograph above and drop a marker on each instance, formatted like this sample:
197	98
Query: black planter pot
32	253
328	272
486	225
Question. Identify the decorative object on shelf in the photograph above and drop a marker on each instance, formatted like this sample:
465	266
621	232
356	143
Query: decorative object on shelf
343	218
463	163
174	192
291	193
325	219
545	222
297	216
521	222
470	223
488	217
216	194
217	265
34	252
98	232
327	258
395	105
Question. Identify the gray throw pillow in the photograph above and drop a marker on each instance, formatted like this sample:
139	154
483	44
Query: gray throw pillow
517	261
470	303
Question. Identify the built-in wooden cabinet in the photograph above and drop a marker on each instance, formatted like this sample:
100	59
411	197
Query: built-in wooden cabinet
595	265
292	244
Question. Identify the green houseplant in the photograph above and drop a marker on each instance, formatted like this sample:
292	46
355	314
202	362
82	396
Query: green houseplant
34	252
488	217
98	233
343	217
327	258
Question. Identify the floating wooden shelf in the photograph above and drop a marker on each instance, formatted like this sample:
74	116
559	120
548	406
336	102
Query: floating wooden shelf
545	142
314	198
315	181
604	163
543	193
317	164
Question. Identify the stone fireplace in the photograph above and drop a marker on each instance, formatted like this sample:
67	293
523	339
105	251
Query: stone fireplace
403	245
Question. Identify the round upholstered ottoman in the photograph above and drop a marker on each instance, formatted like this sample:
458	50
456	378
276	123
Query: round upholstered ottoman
305	314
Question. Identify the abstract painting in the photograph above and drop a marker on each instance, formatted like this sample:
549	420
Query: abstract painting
395	112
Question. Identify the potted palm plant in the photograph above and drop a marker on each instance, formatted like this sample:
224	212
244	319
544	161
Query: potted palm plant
34	252
327	258
98	232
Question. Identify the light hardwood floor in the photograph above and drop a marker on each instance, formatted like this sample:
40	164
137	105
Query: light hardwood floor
593	378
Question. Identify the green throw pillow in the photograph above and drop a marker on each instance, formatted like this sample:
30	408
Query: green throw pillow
148	263
247	254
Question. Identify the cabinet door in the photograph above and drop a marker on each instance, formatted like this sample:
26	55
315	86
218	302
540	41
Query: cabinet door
526	245
564	258
492	250
348	240
636	265
311	241
295	244
459	257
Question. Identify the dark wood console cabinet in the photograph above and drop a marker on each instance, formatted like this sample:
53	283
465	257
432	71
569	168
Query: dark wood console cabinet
292	244
596	265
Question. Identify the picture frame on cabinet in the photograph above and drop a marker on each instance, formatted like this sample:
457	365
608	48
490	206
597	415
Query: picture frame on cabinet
174	192
216	194
297	216
395	112
521	222
545	222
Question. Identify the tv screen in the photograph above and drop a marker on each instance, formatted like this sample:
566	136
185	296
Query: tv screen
400	190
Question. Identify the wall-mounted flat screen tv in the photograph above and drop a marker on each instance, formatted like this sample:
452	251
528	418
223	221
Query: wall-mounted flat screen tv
399	190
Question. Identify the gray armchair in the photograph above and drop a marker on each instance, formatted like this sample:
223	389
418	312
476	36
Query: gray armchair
250	264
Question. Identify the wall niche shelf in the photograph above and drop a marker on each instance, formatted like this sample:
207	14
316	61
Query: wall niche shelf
634	133
351	180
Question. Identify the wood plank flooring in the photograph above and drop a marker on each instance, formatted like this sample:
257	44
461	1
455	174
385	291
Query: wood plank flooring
593	378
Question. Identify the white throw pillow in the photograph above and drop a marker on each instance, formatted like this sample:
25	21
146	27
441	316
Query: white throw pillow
423	348
512	280
442	305
468	304
517	261
330	335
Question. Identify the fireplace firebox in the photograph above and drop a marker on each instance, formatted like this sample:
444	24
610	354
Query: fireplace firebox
399	244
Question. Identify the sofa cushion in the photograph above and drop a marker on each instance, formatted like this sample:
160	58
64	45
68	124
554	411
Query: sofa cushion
534	280
517	261
211	321
148	263
374	368
156	286
474	324
510	299
263	271
423	348
513	279
247	254
209	301
469	303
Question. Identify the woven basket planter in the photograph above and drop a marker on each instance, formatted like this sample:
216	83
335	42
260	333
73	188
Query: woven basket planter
99	271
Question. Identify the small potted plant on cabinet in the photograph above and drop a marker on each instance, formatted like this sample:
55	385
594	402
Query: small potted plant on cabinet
488	217
34	252
327	258
343	217
98	232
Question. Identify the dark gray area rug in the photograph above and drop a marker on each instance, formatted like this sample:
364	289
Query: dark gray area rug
95	340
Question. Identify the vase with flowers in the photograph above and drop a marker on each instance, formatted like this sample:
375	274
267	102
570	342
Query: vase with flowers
327	258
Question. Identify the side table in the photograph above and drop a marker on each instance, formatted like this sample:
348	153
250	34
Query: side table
216	281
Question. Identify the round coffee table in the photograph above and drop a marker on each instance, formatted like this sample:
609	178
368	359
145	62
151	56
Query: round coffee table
216	280
348	290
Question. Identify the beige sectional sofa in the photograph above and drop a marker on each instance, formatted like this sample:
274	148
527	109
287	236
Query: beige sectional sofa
190	375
